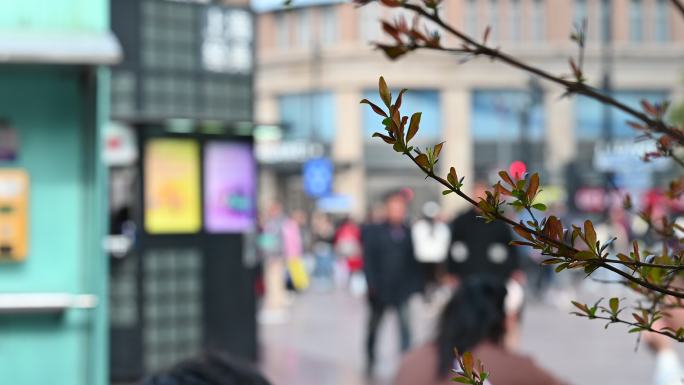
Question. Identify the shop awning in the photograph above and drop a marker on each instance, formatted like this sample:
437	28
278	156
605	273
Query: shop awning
47	47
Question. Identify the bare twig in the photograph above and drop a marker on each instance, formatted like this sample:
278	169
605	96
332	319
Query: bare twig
678	4
577	87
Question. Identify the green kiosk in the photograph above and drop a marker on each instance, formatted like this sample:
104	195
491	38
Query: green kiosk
53	271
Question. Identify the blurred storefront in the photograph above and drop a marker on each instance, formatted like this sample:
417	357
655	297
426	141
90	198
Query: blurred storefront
317	54
183	184
53	108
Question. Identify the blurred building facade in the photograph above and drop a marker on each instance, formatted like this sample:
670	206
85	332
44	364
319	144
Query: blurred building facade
315	64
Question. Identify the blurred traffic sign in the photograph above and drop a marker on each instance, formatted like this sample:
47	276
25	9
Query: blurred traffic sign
318	176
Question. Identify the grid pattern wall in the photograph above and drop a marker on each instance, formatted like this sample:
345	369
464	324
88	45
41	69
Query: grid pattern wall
173	306
123	297
123	93
187	70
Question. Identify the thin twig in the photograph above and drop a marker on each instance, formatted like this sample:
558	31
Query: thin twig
571	86
624	322
555	243
678	4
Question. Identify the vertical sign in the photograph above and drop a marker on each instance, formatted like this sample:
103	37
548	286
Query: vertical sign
230	187
14	190
172	197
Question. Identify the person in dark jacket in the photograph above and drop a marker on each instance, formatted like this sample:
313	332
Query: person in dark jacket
392	272
480	248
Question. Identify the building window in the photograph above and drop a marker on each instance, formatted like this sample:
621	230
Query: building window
661	22
309	116
471	17
516	18
538	26
425	101
328	23
304	28
636	25
282	30
581	12
506	126
494	19
589	114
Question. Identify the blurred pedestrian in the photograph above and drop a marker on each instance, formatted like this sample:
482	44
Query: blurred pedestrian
431	239
482	318
392	271
347	245
280	241
323	232
478	247
209	369
668	367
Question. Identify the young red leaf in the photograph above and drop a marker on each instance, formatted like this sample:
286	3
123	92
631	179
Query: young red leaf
533	187
375	107
590	234
413	126
397	104
438	149
386	138
504	175
422	160
385	93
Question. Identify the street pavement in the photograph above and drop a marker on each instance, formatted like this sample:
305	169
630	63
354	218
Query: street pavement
322	344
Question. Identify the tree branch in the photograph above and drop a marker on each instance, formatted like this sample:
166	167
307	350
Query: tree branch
678	4
577	87
599	261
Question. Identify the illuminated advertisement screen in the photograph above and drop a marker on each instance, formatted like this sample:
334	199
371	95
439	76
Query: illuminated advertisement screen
230	187
172	191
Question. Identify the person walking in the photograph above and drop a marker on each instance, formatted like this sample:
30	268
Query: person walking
431	239
478	247
482	317
391	270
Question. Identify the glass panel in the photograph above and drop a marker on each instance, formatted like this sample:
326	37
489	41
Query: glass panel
308	116
589	114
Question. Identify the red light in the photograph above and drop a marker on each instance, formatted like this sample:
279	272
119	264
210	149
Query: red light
517	169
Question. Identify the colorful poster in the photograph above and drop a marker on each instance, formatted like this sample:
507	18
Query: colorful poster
230	187
172	191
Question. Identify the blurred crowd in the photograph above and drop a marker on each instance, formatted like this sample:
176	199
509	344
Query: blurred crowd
465	271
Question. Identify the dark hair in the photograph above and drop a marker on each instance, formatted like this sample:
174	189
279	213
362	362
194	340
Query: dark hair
474	314
209	369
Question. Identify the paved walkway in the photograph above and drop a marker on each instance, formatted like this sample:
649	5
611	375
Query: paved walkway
321	344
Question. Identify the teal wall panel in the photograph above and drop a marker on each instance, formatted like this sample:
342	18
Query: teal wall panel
54	15
49	107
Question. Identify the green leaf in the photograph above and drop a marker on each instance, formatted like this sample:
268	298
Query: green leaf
584	255
614	304
539	206
413	126
446	192
635	330
399	147
385	93
462	380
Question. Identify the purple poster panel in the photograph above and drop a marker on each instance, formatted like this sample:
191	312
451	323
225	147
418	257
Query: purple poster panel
230	187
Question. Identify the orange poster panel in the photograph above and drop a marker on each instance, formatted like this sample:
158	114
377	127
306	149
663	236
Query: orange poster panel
172	191
14	193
